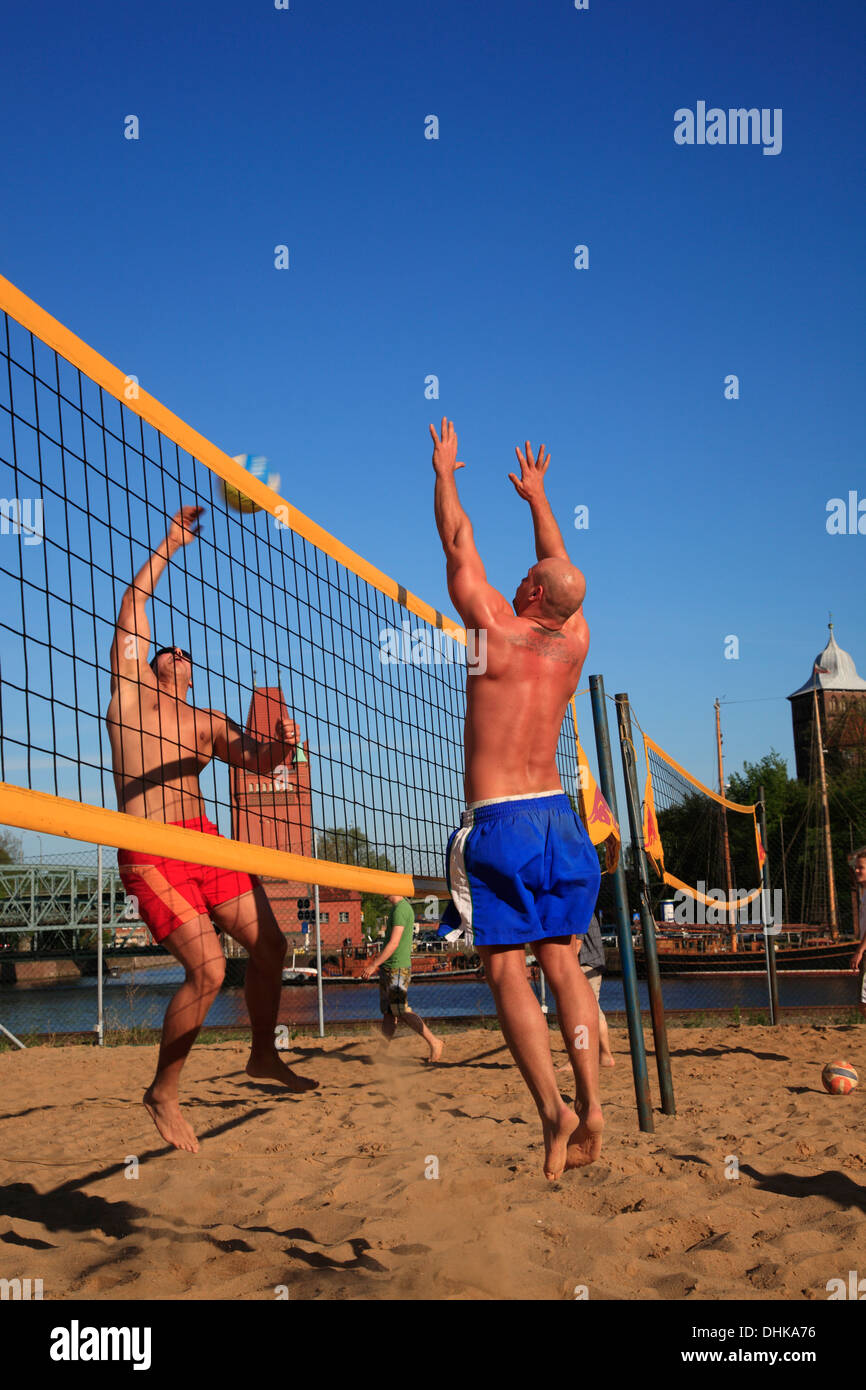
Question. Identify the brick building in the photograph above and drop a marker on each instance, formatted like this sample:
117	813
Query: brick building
276	810
339	913
841	711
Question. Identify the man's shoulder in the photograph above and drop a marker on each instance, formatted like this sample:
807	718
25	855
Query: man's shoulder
137	687
214	719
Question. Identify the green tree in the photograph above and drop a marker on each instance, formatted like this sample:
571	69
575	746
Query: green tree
771	773
10	847
795	834
342	845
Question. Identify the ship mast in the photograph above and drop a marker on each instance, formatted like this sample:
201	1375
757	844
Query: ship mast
726	842
825	804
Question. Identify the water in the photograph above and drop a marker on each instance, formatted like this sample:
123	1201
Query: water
138	999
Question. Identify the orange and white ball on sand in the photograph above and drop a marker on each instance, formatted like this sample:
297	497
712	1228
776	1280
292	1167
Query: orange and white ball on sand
396	1179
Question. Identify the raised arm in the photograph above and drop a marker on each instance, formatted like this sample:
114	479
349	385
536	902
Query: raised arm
477	602
132	633
549	544
238	748
530	486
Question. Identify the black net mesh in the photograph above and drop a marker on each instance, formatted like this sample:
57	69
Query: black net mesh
709	848
276	628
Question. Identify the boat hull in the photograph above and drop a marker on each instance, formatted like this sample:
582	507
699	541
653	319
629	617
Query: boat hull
836	956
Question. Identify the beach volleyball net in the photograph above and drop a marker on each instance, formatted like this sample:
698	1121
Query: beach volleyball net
282	621
701	844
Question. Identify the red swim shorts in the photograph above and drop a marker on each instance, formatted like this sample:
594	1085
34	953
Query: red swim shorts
171	892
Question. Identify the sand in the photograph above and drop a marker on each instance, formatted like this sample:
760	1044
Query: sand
325	1195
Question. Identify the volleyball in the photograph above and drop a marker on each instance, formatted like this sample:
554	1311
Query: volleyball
839	1078
257	467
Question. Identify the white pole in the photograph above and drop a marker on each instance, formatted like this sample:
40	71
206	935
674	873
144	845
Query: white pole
321	999
319	963
99	1020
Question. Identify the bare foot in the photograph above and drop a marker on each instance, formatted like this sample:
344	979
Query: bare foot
556	1137
170	1122
274	1069
436	1050
584	1145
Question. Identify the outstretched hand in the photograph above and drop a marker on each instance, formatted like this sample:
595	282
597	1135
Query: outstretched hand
185	527
530	484
445	449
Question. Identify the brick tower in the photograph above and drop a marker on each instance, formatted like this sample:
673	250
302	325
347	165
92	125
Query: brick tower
276	810
273	809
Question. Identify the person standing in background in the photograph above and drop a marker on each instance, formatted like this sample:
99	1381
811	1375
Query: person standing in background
590	951
394	964
860	877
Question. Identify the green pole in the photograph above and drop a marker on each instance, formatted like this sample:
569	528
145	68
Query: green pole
654	984
623	916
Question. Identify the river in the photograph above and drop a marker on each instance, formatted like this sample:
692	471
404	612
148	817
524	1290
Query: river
138	999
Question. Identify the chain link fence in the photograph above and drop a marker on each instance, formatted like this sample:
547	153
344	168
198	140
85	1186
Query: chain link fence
50	986
715	960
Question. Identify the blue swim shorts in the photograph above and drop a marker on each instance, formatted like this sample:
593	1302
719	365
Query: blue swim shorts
520	870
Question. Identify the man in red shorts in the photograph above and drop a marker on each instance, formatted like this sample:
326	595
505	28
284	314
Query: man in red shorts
160	745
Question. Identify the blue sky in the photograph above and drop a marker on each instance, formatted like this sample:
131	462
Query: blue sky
454	257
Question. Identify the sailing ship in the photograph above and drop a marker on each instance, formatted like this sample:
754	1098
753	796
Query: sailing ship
799	946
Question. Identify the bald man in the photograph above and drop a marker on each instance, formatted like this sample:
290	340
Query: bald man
521	868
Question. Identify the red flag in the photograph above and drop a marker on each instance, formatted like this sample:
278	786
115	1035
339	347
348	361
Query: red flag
595	813
652	841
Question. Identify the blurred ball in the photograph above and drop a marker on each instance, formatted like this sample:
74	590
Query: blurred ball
839	1078
257	467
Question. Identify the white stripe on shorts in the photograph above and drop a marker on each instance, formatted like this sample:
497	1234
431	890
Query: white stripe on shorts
521	796
461	895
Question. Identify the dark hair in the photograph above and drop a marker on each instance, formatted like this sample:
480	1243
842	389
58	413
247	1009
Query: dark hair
162	651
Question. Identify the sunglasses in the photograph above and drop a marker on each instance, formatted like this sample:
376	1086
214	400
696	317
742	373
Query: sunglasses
171	651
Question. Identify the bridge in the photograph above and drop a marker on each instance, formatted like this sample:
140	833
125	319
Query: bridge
47	912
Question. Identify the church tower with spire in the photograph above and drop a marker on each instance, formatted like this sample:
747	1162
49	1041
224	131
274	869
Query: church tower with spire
841	711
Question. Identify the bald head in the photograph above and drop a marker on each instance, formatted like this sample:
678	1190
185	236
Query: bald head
553	589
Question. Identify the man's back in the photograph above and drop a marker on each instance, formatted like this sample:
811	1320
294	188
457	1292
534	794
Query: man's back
516	706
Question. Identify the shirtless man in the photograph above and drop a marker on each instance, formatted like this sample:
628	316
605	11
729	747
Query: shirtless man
521	868
160	745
